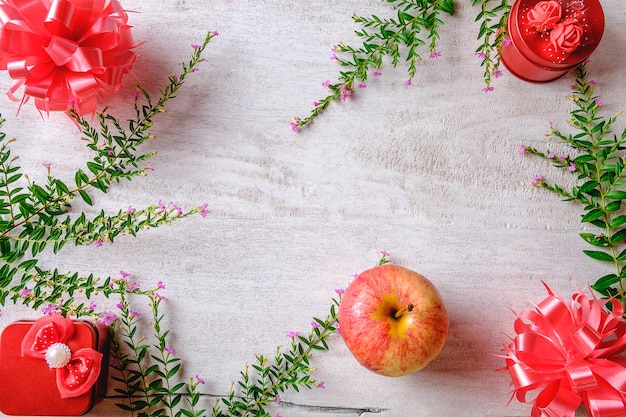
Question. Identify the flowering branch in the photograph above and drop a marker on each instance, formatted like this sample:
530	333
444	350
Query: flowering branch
147	370
416	25
263	382
34	216
599	165
384	37
492	35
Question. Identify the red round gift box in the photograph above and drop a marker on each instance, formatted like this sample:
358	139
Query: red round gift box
528	55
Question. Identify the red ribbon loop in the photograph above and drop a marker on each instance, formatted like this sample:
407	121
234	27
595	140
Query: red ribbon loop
83	368
569	351
65	52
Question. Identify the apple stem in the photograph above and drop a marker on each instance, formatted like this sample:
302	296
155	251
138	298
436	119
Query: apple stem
406	309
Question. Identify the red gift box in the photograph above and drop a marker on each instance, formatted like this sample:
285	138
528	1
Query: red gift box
33	385
548	38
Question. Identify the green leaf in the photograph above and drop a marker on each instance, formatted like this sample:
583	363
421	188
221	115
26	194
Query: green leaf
446	6
595	240
86	197
613	206
617	221
593	214
605	282
616	195
588	186
618	236
599	255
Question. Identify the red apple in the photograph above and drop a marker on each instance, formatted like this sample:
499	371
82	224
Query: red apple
393	320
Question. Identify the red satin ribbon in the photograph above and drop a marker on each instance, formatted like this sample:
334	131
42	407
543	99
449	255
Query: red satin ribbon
83	368
65	52
568	351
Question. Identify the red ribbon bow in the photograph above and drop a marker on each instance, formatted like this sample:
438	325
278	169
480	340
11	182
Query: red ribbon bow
76	372
569	352
65	52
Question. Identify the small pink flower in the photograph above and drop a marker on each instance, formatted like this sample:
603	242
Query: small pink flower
169	350
345	93
506	42
50	309
326	83
177	208
107	318
294	124
25	292
537	180
599	102
47	165
340	291
200	380
545	15
320	385
204	211
377	73
488	89
481	55
521	150
497	73
408	82
315	324
571	167
434	55
316	103
292	334
361	85
566	36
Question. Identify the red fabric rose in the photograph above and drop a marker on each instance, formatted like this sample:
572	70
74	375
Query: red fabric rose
545	15
566	36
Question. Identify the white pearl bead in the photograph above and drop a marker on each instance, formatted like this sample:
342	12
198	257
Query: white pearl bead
58	355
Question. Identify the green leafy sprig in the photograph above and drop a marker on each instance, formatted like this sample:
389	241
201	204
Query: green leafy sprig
415	27
492	33
149	370
262	383
34	216
597	159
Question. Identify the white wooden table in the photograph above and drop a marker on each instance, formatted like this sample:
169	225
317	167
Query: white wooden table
429	173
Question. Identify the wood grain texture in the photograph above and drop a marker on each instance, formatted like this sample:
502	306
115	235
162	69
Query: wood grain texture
429	173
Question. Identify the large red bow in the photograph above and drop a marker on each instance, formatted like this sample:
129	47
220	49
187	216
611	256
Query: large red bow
65	52
568	350
76	372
